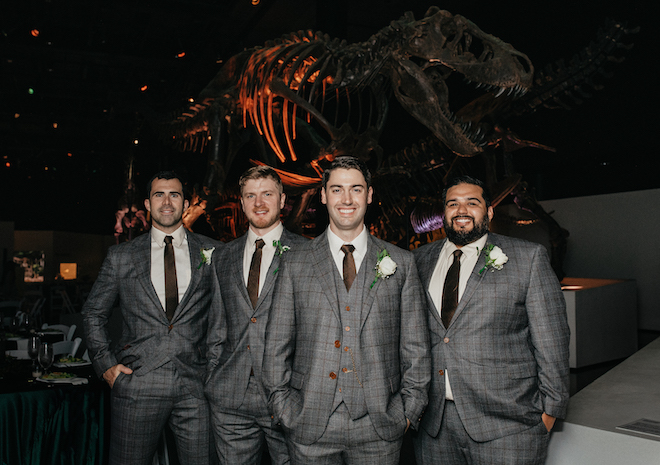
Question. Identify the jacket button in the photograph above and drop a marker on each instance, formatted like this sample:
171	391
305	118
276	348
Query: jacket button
446	340
442	372
253	320
344	369
333	375
348	309
347	328
346	349
337	344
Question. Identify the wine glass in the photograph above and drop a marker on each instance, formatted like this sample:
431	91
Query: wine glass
33	351
27	321
46	355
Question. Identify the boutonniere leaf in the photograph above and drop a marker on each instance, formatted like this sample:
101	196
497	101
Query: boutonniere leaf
206	256
495	258
279	251
385	267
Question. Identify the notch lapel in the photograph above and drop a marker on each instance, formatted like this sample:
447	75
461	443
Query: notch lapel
235	267
426	268
368	274
325	270
142	256
194	248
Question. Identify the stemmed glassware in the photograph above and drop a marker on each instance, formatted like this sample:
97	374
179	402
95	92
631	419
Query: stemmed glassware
33	352
46	355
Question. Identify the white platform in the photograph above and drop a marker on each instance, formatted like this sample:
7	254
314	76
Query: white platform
602	316
628	392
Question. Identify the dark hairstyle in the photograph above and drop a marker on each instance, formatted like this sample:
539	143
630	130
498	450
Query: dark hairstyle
260	172
167	175
347	162
465	179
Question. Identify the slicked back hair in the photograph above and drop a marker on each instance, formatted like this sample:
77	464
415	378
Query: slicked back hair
348	163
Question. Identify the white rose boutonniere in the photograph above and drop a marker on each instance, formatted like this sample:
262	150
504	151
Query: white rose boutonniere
206	256
385	267
495	258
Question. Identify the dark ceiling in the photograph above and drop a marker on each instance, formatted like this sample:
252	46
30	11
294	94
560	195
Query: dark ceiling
80	65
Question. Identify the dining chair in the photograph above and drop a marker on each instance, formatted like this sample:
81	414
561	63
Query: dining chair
69	331
67	347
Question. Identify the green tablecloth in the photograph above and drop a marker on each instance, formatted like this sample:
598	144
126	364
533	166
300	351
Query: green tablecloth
60	425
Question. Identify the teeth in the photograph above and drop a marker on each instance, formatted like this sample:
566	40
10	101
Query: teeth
500	92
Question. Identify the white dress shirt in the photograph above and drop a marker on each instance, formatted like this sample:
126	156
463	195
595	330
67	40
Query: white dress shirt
181	260
361	242
468	261
267	253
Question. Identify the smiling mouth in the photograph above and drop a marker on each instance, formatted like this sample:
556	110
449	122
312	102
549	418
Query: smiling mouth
462	220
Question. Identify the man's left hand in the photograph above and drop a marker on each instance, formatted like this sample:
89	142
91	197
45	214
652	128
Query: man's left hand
548	421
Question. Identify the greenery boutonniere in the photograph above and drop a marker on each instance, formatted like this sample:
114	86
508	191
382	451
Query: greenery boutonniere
385	267
495	258
279	250
206	256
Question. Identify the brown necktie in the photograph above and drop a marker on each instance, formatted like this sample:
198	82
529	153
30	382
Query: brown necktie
450	291
349	265
255	270
171	288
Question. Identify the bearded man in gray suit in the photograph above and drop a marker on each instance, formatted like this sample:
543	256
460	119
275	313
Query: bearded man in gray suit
347	359
499	340
166	288
248	268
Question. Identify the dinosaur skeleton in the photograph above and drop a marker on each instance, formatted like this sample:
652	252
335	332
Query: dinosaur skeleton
303	85
311	98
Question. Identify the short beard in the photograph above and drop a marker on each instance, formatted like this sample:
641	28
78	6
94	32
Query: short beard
461	238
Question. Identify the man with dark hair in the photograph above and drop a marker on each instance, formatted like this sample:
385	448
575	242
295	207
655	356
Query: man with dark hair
499	340
347	363
249	267
166	288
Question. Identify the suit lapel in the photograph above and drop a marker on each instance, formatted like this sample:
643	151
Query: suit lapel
142	256
426	268
473	282
194	248
235	266
324	265
274	268
368	274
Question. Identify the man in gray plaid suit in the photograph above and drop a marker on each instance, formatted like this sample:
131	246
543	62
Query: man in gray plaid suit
499	340
347	359
239	405
157	369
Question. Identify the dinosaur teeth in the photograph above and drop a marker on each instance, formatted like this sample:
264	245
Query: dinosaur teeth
500	92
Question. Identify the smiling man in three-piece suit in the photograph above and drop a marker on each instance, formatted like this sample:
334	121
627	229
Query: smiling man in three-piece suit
166	290
499	340
248	267
347	362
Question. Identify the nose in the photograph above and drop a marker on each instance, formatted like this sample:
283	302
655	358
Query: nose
346	198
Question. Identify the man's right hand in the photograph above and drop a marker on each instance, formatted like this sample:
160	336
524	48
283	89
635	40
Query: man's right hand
111	373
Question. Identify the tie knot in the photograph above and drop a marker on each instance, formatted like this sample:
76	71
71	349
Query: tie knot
259	243
457	254
168	240
347	248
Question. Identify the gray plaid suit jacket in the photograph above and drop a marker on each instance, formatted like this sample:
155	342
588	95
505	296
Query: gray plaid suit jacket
506	348
147	342
241	331
303	343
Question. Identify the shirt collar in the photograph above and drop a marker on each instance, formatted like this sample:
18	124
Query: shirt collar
178	236
473	248
360	242
273	235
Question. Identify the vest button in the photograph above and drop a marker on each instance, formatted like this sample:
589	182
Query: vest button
253	320
345	349
344	369
337	344
442	372
348	309
347	328
446	340
333	375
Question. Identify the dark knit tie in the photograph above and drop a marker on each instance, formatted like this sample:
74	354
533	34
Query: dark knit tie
255	271
450	291
349	265
171	288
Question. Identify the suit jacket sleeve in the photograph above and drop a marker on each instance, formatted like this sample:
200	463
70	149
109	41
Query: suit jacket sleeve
414	347
280	344
546	309
216	336
96	313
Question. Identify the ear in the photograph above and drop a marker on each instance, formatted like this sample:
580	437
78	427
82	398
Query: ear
186	204
490	213
324	200
370	194
147	205
282	200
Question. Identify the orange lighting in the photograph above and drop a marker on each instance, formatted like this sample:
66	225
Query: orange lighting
144	88
17	115
8	165
136	142
256	2
35	32
191	100
68	270
69	154
181	54
54	125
